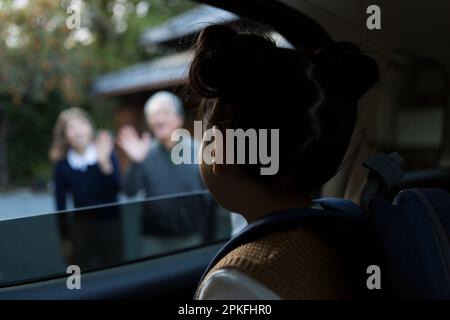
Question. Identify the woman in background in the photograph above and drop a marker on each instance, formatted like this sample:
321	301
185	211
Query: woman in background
86	167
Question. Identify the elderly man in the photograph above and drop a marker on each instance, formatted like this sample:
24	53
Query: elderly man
153	171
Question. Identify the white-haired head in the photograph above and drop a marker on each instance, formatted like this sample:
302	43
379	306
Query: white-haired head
164	97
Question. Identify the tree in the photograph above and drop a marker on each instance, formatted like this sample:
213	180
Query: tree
34	69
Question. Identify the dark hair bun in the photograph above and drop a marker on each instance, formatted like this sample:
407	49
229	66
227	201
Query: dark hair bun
345	71
218	36
311	100
228	62
213	46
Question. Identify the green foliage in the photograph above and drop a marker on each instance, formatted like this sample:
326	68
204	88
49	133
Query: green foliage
45	69
30	137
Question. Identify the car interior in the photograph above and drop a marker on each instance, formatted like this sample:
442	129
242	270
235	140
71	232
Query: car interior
407	112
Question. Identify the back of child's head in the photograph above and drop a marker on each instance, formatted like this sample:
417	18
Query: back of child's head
246	81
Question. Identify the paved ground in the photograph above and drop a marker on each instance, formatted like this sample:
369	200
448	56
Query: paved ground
22	203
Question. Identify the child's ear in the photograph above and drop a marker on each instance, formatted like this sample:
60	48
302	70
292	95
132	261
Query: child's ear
218	155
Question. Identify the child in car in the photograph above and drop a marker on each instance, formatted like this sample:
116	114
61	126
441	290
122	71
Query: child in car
247	82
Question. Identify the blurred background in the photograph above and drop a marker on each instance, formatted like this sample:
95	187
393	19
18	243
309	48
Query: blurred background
45	67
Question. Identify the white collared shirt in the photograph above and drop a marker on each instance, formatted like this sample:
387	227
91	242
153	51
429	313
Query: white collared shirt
231	284
82	161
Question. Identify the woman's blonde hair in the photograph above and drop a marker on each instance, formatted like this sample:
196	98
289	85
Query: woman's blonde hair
59	145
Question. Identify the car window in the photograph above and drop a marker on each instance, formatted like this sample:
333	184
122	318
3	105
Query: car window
36	247
414	126
90	94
